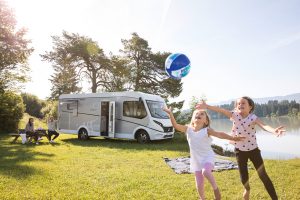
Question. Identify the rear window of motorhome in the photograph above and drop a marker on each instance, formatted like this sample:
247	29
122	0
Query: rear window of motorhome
135	109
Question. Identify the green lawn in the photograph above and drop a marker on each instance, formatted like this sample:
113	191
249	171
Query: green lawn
120	169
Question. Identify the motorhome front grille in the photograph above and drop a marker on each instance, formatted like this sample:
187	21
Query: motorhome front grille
168	129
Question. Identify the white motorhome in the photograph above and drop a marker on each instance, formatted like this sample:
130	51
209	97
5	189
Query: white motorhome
128	115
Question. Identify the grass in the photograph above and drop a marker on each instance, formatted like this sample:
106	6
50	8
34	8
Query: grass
120	169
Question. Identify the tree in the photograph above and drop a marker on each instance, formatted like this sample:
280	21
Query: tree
14	50
158	80
119	75
33	105
176	107
137	52
147	72
64	81
50	109
83	55
11	111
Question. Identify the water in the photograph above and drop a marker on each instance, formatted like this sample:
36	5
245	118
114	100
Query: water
272	147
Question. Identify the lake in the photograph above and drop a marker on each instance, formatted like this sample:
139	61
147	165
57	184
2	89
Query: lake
272	147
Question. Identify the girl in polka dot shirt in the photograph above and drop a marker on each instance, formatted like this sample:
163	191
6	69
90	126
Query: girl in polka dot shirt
244	122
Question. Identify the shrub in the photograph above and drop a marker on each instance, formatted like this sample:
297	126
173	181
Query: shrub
50	109
11	111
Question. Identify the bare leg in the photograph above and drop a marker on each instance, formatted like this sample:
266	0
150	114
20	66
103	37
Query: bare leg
246	194
200	184
207	172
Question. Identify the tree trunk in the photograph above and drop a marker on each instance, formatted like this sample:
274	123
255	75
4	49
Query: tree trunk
94	82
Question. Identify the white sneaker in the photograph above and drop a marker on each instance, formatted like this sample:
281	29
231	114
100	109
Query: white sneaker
40	138
37	143
52	141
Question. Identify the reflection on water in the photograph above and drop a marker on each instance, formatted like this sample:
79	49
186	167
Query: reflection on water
272	147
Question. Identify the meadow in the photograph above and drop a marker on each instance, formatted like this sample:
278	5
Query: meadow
120	169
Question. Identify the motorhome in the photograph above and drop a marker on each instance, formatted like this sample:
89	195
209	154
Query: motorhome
127	115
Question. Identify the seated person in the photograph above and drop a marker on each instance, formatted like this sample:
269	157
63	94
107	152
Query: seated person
30	132
52	130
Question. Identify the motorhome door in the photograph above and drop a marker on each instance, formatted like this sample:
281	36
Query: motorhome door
111	122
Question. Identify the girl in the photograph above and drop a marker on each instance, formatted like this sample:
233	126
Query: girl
244	122
30	132
202	156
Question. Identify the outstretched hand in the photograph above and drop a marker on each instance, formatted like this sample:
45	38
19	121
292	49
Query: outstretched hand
279	131
201	105
168	110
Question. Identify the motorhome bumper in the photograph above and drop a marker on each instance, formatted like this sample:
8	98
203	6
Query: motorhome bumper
168	136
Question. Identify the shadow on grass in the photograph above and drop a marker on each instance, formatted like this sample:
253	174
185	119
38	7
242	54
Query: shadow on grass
15	159
178	143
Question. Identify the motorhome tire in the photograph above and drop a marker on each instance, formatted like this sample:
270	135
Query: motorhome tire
143	137
83	134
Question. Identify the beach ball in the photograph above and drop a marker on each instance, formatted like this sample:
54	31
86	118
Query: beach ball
177	65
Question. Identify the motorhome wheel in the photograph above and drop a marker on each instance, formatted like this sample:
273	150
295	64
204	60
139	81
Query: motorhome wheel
83	134
143	137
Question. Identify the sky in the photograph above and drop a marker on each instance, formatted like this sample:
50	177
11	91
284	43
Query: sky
236	47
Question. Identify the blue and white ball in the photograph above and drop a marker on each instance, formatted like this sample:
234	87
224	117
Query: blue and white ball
177	65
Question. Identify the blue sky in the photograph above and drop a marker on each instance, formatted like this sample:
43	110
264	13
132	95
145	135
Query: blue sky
236	48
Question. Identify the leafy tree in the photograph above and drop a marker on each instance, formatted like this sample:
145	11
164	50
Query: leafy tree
119	73
50	109
83	55
137	52
11	111
33	105
64	81
158	81
147	72
14	50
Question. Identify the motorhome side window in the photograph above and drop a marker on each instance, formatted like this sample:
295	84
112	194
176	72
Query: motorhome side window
135	109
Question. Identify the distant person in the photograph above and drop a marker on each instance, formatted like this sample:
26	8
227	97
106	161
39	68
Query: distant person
52	130
198	135
30	131
244	122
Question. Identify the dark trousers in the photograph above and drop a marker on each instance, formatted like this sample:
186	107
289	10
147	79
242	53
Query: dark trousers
50	133
33	135
255	157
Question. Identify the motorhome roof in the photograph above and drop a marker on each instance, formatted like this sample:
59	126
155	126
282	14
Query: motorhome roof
110	94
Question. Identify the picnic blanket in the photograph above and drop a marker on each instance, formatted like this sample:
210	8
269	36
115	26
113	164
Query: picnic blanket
182	165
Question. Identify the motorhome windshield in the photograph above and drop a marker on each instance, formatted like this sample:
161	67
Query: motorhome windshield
156	109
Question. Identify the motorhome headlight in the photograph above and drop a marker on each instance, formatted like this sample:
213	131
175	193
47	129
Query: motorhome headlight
165	129
157	122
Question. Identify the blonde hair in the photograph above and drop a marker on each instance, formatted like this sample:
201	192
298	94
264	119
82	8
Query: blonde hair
206	115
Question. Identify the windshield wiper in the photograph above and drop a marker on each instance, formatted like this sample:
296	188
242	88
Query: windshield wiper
162	116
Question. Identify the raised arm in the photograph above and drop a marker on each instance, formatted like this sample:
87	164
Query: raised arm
223	135
276	131
179	127
203	105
